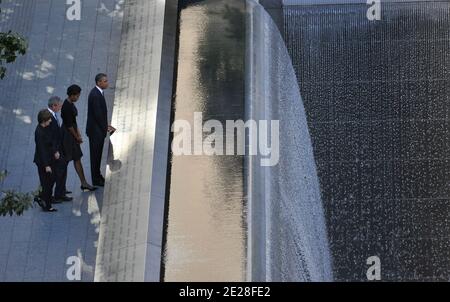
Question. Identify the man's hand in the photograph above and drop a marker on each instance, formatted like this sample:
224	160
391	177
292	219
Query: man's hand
111	129
48	169
79	140
57	155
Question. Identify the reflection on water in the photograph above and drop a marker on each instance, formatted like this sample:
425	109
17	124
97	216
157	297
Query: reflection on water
205	239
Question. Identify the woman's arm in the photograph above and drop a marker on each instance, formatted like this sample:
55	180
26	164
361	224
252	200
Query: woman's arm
76	134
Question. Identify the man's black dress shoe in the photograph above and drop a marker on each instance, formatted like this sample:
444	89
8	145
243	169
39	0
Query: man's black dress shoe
88	188
68	192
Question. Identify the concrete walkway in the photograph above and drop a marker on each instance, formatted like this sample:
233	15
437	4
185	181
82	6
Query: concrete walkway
35	247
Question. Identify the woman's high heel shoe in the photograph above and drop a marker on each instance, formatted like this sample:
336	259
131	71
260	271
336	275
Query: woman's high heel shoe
88	188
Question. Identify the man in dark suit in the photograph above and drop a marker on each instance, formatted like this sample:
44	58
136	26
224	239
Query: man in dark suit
97	126
60	165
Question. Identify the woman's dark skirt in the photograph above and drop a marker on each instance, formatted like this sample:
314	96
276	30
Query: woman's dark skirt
72	150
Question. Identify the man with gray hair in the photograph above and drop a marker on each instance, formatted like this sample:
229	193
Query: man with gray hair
60	165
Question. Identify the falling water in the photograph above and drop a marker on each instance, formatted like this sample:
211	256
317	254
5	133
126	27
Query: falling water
377	100
288	239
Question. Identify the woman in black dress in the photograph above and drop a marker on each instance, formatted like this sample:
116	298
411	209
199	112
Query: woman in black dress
72	136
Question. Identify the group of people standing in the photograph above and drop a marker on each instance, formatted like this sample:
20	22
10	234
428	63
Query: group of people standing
58	142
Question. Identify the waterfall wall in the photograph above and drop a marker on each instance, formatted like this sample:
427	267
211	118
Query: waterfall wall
287	237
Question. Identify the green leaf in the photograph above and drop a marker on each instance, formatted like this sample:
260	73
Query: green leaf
11	46
15	203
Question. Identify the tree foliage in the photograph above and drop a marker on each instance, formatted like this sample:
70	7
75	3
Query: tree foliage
12	202
11	46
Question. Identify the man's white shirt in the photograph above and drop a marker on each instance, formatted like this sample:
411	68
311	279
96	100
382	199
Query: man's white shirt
99	89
